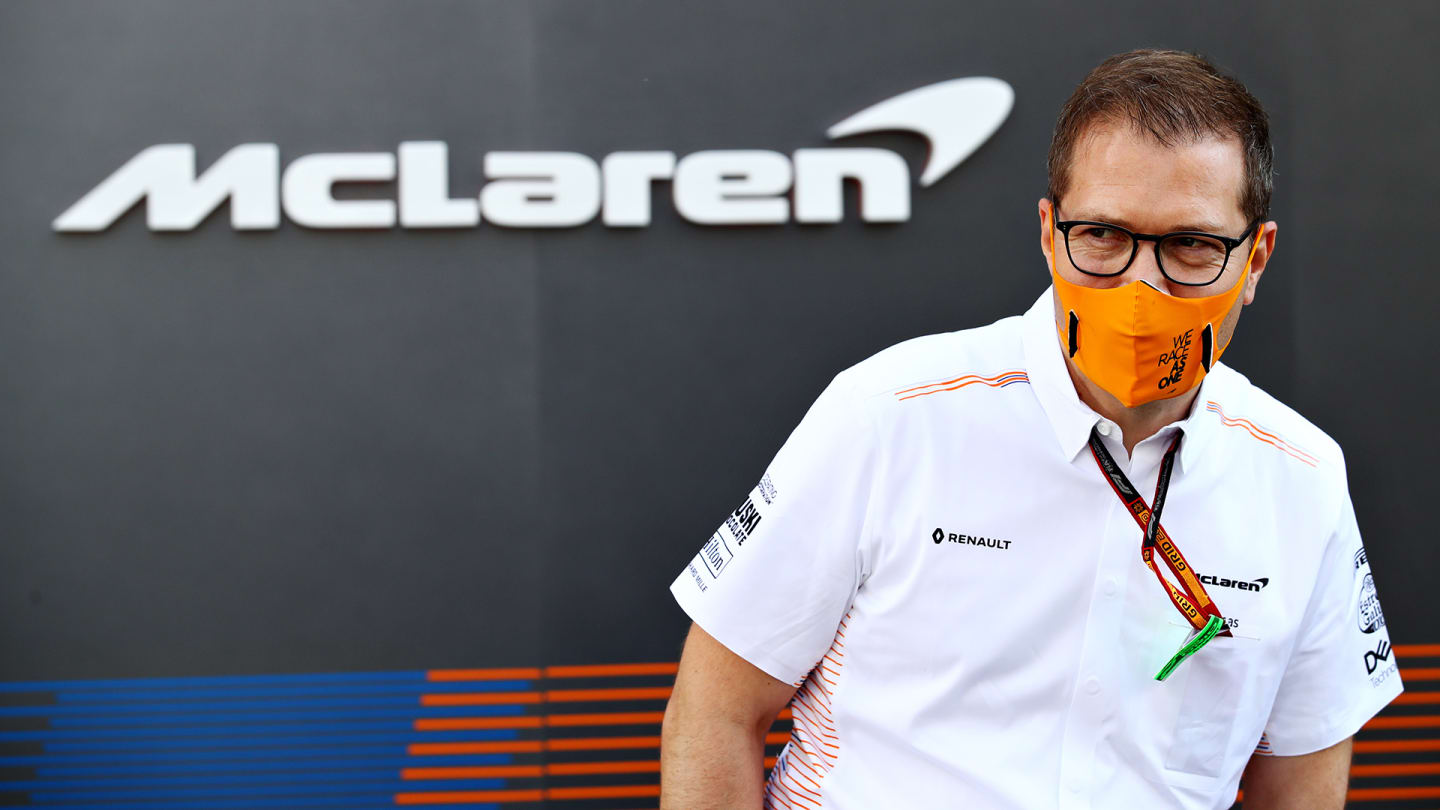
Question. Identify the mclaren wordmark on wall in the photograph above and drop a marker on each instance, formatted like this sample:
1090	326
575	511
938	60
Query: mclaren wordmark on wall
557	189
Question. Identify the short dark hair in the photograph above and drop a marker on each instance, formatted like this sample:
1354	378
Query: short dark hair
1177	97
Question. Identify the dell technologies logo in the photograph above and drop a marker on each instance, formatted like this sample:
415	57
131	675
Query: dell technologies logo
557	189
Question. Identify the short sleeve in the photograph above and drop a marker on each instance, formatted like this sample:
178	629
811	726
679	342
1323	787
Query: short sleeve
775	579
1343	670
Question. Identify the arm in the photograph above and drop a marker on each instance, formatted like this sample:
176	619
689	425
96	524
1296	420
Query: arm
712	746
1314	781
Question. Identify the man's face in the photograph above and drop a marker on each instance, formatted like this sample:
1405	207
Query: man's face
1123	176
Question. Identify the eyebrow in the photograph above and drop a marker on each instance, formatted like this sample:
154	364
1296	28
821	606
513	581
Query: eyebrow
1206	227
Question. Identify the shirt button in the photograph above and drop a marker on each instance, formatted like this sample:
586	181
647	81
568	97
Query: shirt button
1104	428
1111	586
1075	786
1092	685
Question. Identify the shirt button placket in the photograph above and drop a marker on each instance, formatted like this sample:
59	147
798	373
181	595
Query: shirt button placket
1090	703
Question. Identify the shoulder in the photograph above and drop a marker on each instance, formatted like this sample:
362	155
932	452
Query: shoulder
1255	417
989	355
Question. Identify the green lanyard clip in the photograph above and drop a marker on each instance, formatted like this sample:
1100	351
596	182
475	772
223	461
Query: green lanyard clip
1209	631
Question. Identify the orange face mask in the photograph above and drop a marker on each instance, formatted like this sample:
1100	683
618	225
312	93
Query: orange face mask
1137	342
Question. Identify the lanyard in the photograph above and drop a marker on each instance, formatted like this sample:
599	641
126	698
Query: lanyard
1189	597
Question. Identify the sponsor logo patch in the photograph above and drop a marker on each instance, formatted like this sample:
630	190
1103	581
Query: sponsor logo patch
743	521
942	536
767	489
1256	584
1369	616
1373	659
715	555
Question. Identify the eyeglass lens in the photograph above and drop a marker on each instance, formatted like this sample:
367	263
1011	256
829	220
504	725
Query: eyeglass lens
1186	258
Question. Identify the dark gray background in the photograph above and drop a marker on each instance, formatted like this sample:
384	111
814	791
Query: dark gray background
298	450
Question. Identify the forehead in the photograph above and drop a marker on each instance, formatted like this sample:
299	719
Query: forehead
1124	175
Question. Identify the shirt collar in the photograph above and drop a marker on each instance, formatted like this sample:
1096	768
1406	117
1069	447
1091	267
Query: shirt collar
1071	419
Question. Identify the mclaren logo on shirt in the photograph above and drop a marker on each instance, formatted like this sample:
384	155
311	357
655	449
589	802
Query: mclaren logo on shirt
941	536
1256	584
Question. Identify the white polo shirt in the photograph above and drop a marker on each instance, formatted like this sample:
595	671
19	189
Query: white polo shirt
935	559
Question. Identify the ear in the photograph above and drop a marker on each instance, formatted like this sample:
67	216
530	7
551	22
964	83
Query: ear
1263	251
1047	224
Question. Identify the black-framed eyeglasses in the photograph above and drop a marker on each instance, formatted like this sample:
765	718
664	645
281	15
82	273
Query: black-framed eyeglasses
1189	258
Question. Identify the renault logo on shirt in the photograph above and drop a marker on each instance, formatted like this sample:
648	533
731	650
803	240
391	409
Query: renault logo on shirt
941	536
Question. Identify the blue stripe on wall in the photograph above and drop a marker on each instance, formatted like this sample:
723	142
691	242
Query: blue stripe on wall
189	742
46	770
346	802
148	694
222	755
392	726
265	718
409	703
160	793
418	676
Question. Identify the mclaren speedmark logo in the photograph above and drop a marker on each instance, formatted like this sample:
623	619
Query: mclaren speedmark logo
557	189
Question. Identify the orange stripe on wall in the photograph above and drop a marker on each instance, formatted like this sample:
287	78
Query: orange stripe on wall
1418	650
475	772
469	797
583	695
1389	746
480	698
618	792
557	744
1402	769
466	723
606	670
1413	698
613	719
556	720
1377	794
1405	721
511	674
601	743
584	768
507	747
1420	673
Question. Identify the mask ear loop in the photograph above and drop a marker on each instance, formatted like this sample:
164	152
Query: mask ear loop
1072	329
1207	337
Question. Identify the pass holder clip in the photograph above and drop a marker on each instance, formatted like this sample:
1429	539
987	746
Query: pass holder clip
1199	640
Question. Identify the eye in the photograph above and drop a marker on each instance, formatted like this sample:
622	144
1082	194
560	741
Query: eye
1099	235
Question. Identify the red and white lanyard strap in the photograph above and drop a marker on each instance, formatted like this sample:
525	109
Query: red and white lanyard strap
1189	597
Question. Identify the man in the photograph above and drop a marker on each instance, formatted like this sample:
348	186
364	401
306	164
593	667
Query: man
1066	560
